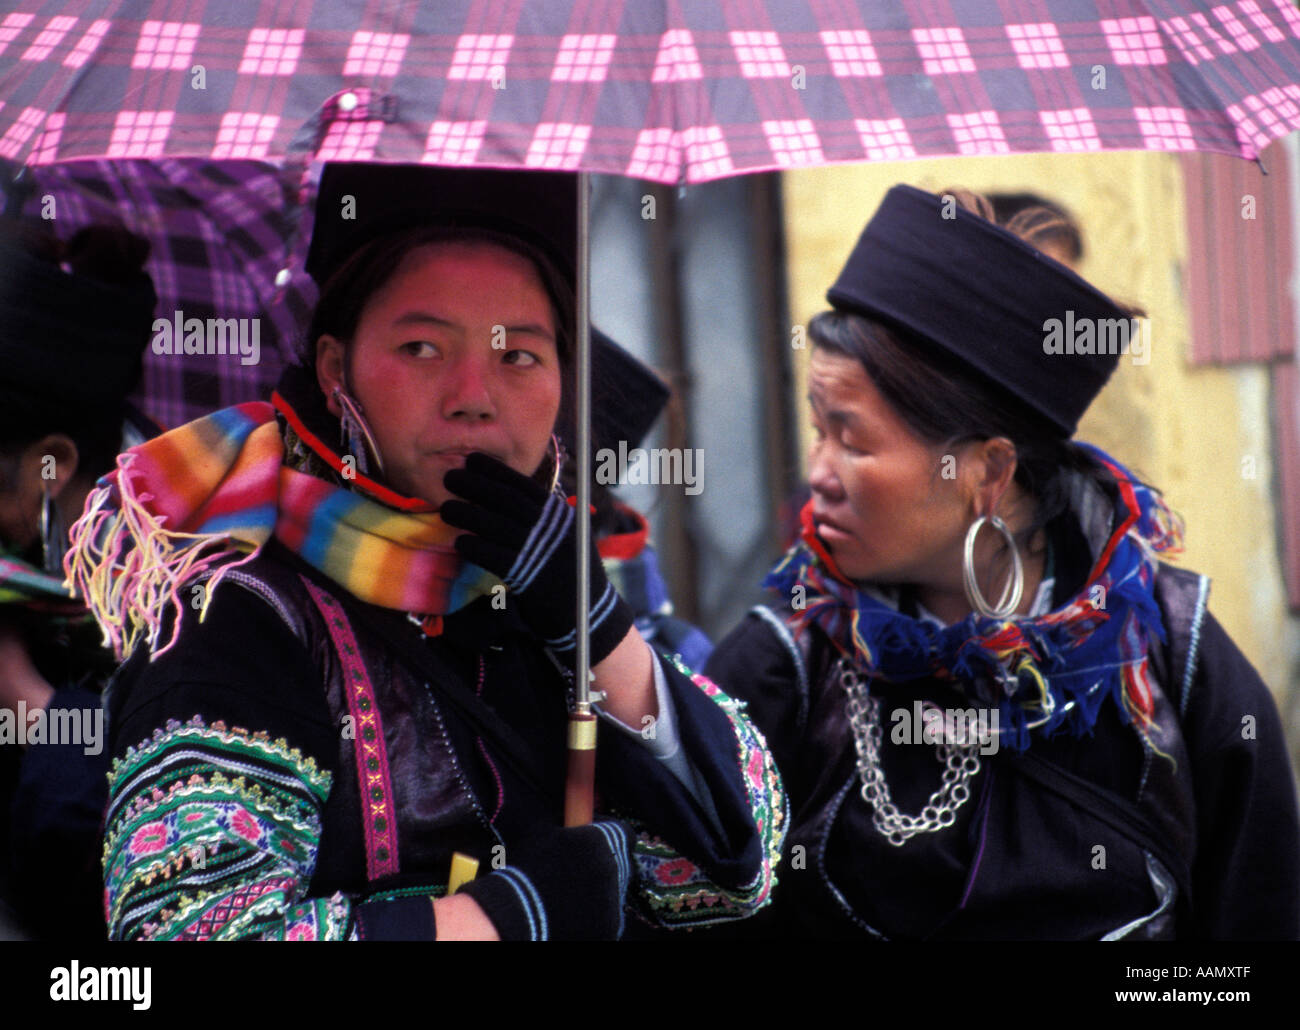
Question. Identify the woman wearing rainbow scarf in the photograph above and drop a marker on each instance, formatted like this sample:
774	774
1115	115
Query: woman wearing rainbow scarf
350	625
998	714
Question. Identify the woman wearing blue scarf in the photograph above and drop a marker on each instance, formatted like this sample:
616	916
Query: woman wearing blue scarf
998	714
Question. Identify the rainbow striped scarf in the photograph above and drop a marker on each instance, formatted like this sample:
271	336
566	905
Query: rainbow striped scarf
1043	673
204	498
23	584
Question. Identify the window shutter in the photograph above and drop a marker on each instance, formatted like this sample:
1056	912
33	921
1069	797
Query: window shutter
1239	267
1286	399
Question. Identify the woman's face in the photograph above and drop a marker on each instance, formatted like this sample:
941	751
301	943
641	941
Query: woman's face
881	502
25	481
455	353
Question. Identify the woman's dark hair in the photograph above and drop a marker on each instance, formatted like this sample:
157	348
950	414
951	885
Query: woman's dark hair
945	403
344	295
109	254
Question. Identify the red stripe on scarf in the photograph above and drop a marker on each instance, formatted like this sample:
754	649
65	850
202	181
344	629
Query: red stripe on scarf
625	546
239	492
293	521
376	490
1131	504
809	534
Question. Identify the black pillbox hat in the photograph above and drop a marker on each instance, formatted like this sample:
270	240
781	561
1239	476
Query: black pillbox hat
988	299
627	397
539	207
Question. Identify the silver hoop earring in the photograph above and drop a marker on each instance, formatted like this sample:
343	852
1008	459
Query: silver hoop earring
357	439
559	463
1011	593
53	540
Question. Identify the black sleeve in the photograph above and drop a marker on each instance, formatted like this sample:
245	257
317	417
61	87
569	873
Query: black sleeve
758	664
1246	878
57	812
636	781
241	663
696	867
225	741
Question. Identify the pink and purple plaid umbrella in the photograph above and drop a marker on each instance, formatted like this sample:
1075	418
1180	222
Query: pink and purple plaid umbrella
683	91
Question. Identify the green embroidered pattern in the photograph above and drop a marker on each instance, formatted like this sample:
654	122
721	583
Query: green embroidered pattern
675	890
211	833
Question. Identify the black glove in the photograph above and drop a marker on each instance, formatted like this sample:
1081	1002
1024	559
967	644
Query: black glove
569	886
527	537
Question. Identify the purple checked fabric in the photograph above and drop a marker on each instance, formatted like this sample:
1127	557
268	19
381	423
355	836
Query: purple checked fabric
684	91
220	233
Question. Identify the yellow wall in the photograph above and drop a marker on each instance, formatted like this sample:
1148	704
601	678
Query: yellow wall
1200	434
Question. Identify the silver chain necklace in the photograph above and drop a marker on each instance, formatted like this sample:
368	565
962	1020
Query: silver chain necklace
960	763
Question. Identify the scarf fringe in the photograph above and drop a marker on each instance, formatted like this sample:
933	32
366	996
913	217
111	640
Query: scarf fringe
130	569
225	478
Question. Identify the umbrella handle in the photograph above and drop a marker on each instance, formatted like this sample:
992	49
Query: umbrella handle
580	782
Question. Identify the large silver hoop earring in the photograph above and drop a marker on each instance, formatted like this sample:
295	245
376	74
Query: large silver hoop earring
1011	593
53	539
357	439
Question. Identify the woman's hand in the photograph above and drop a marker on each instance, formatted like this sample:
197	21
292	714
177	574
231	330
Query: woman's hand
525	535
460	918
566	885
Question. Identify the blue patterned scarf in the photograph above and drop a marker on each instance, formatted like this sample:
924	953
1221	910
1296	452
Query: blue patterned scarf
1045	672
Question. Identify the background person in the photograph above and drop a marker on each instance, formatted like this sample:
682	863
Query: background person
76	318
627	399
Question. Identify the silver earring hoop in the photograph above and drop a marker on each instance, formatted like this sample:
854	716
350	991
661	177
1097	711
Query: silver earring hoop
1011	593
52	537
358	440
559	462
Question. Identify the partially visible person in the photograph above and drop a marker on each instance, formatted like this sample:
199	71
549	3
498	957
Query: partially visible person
626	400
76	318
1046	224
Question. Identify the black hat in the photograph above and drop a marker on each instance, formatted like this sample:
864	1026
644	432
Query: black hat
987	298
626	398
538	207
71	345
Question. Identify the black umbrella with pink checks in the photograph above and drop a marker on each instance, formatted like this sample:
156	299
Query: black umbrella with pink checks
674	92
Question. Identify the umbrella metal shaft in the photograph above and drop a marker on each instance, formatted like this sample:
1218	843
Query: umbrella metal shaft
579	792
583	662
